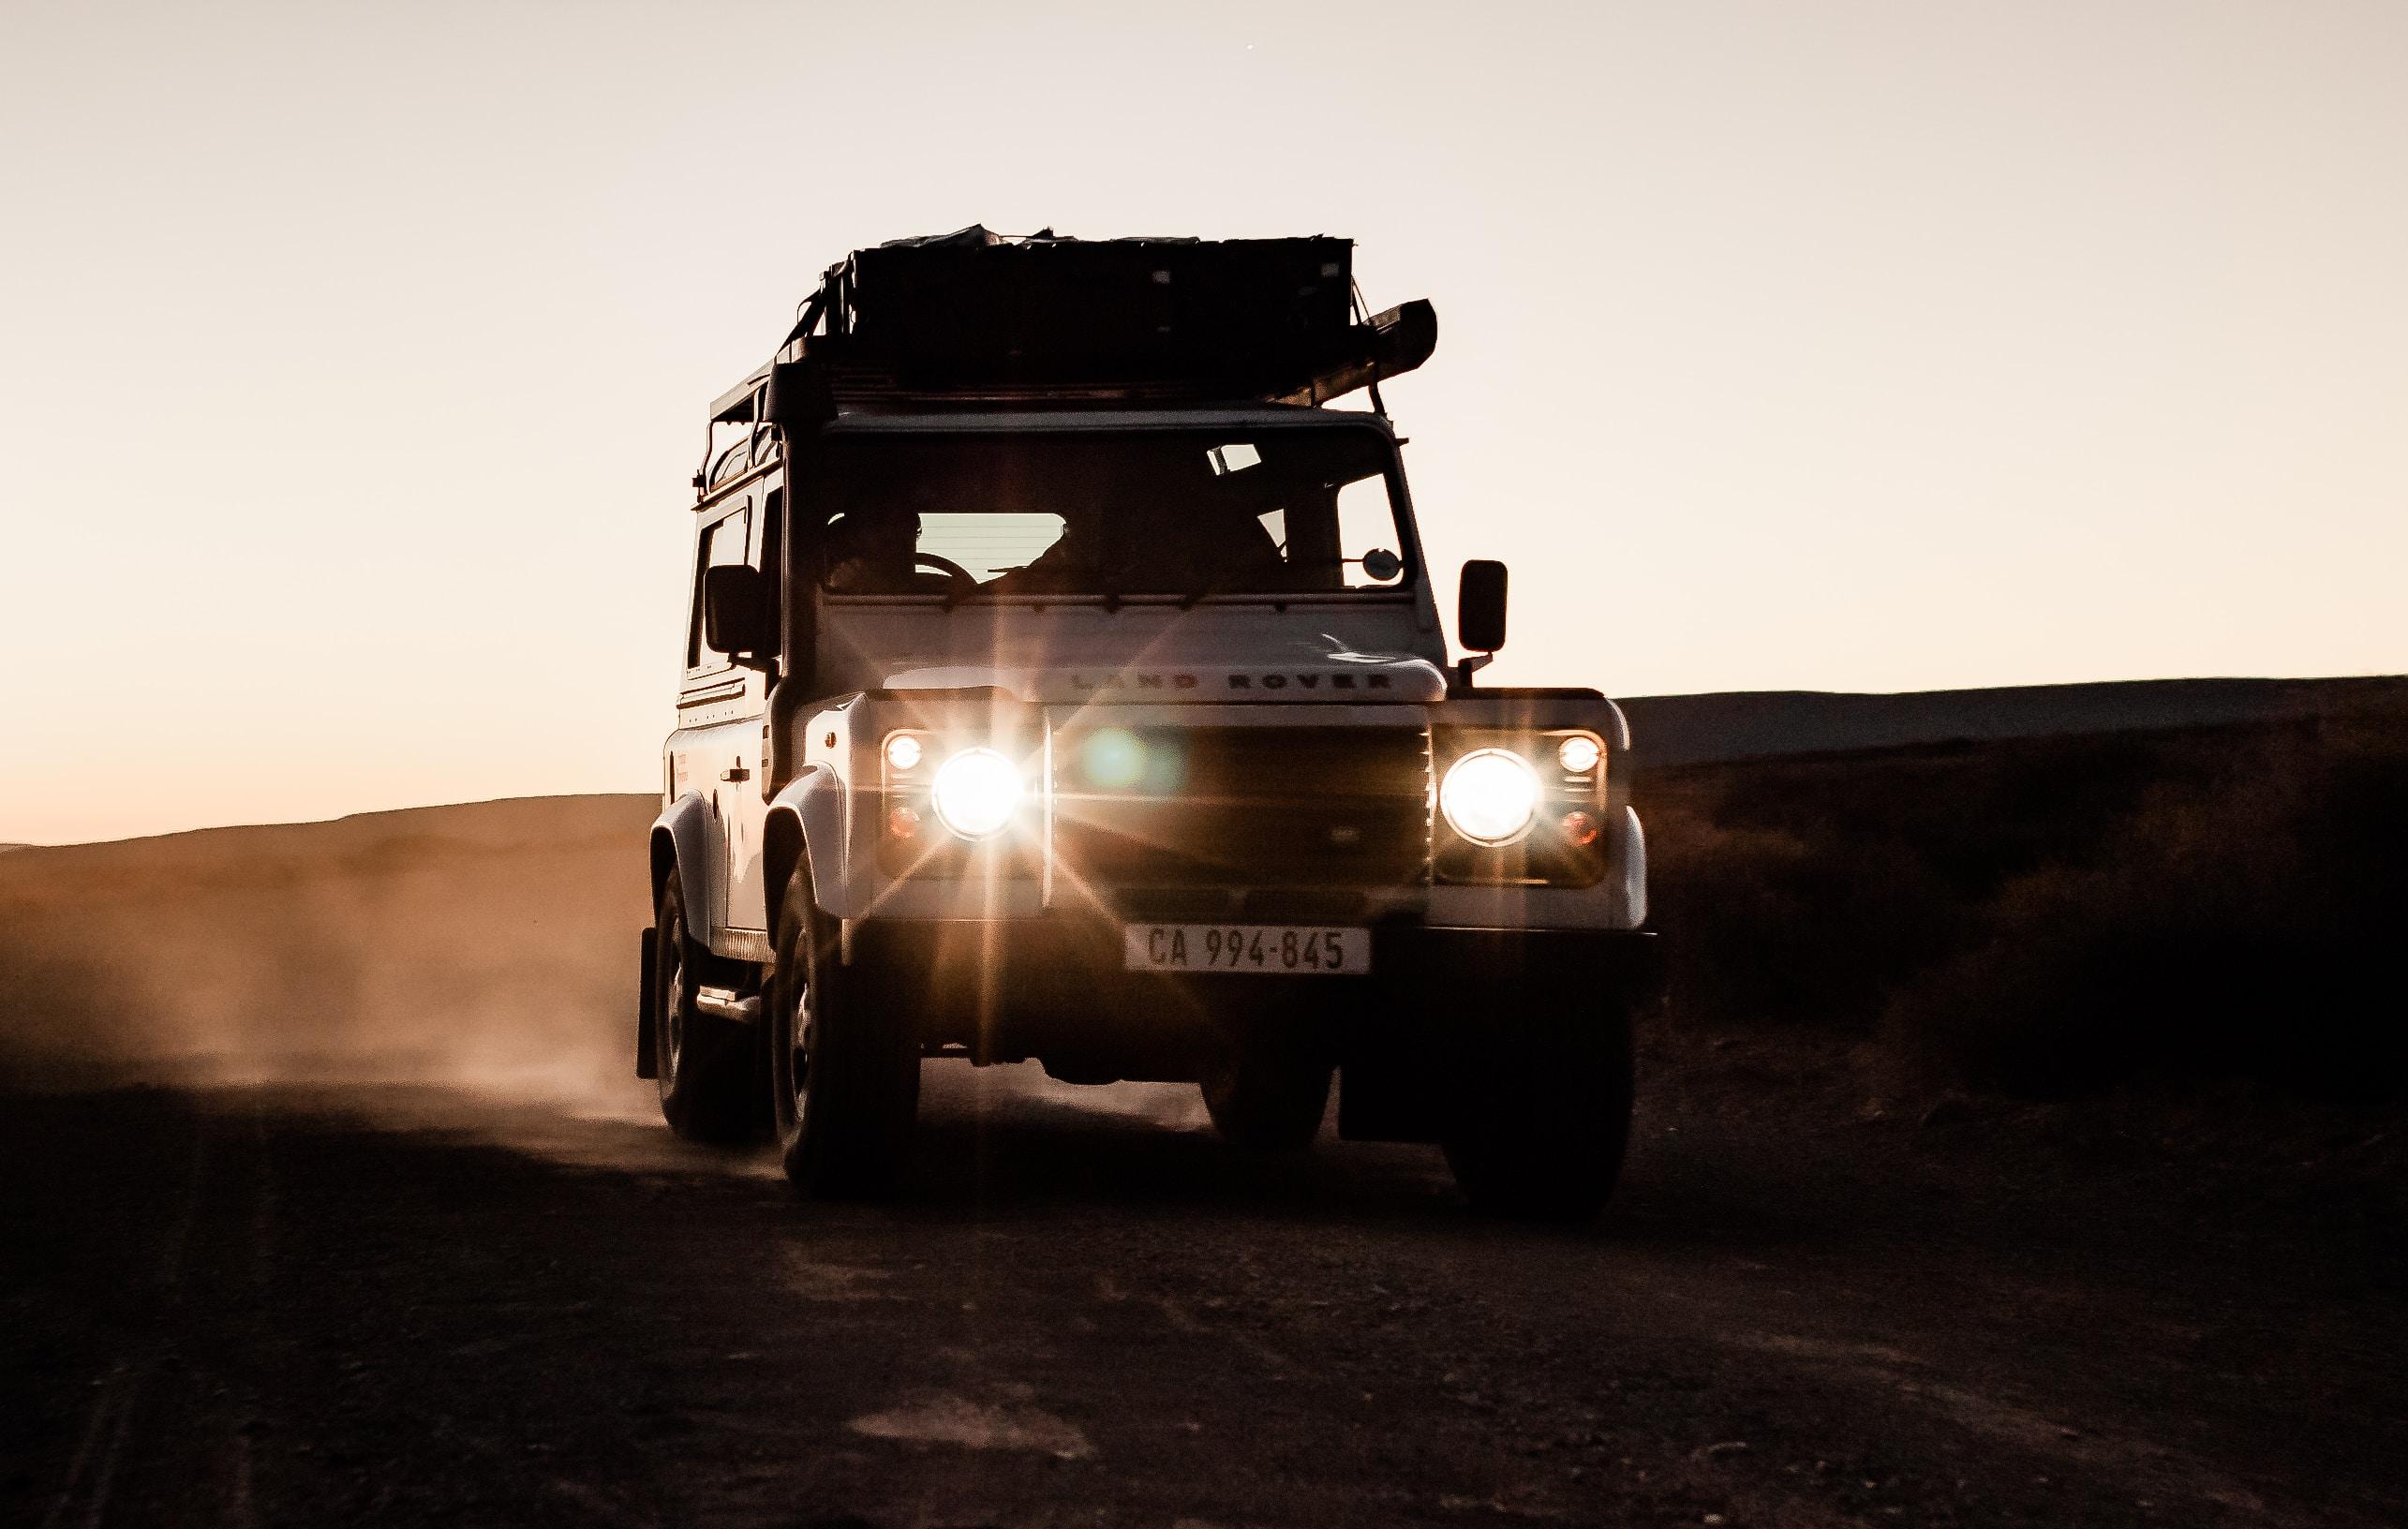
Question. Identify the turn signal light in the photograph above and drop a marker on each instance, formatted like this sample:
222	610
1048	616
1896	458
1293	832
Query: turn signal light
1579	828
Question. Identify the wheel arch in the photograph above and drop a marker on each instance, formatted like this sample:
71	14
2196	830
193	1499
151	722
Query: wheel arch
784	851
805	831
677	843
681	842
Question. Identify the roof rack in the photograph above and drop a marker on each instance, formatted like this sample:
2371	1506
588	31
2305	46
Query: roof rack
977	319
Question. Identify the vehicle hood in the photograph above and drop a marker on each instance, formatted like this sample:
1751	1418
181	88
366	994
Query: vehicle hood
1300	672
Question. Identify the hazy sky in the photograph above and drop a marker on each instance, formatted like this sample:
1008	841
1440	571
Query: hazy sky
352	360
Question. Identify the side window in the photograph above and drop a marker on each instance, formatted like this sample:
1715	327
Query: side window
770	555
1339	536
1275	522
729	463
1331	535
1367	534
724	542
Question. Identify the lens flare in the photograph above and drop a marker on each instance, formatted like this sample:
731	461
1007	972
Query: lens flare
1113	759
1490	795
976	791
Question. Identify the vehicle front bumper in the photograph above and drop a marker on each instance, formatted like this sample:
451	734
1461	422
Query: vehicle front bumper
1057	987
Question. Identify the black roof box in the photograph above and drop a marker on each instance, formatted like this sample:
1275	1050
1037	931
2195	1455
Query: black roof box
974	310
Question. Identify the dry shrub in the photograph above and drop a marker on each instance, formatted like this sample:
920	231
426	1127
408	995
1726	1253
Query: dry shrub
2049	916
2242	923
1767	924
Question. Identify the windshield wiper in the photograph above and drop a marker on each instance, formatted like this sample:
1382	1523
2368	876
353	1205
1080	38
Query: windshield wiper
1213	585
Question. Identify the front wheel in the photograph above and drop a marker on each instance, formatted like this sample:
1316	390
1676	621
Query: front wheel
1539	1131
1269	1099
844	1076
708	1068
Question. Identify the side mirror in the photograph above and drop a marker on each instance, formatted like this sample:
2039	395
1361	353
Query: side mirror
739	616
1479	611
1480	616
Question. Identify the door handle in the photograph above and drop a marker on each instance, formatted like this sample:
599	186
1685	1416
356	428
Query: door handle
736	772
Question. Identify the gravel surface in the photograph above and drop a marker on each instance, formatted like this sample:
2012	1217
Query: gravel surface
397	1305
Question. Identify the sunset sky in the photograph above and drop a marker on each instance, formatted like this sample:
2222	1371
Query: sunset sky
353	359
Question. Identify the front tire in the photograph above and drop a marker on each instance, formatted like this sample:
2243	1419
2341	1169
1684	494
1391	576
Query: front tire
1540	1131
707	1069
1269	1099
844	1076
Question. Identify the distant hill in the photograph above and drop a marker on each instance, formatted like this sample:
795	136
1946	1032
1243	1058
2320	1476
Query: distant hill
1753	725
493	825
487	941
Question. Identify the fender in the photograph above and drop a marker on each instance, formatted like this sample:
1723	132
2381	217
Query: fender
1628	877
681	839
805	827
1619	740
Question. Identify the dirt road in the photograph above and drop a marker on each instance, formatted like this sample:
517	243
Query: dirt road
389	1305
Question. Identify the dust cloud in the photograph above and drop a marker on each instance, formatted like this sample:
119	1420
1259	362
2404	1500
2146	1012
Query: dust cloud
491	946
488	948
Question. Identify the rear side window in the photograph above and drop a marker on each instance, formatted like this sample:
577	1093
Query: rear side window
724	542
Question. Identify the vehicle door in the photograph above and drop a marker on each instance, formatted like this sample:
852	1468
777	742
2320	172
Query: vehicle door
744	780
719	709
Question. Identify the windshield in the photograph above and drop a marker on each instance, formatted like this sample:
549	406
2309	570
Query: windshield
1187	512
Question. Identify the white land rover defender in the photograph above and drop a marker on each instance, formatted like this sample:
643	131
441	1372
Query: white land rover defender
1065	681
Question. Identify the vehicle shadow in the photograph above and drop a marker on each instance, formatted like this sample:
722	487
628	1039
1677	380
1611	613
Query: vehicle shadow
1005	1143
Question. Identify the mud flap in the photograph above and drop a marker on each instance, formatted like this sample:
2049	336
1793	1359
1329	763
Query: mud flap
646	1066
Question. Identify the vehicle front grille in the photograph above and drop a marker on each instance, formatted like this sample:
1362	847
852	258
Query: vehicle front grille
1242	806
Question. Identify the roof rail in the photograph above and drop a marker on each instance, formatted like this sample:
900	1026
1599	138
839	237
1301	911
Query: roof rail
741	403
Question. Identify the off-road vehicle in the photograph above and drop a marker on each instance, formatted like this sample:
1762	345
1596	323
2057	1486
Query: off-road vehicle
1065	681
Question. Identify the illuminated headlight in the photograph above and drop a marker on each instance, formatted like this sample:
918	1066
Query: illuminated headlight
904	752
1579	753
1490	795
976	791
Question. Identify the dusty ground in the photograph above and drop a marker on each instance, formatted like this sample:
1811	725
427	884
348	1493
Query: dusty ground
405	1305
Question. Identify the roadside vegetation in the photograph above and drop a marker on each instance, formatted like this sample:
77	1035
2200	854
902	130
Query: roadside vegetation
2052	917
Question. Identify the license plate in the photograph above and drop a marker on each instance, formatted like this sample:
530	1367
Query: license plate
1280	950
